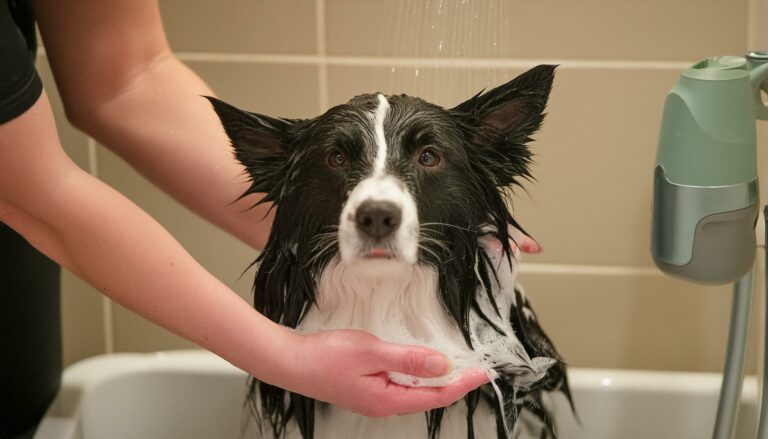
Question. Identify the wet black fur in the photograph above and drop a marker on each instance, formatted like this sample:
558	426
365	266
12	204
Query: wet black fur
483	146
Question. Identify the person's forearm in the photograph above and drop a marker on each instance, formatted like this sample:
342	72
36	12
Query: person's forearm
102	237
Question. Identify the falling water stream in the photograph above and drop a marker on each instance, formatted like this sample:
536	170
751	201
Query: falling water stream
435	45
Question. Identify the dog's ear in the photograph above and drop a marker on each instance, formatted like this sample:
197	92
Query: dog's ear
260	144
504	118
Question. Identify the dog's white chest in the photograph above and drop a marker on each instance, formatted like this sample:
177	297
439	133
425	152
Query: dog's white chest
394	301
399	303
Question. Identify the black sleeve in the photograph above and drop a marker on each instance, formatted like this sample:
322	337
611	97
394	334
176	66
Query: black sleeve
30	327
20	86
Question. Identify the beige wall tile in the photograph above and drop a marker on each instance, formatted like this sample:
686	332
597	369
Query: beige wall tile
286	90
241	26
82	320
593	29
594	166
289	91
634	322
591	203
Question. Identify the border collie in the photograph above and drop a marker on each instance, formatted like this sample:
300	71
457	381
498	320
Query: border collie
391	216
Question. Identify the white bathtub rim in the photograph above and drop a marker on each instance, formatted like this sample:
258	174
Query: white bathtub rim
104	367
63	418
617	380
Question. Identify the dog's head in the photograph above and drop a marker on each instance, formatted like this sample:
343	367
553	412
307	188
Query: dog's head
390	177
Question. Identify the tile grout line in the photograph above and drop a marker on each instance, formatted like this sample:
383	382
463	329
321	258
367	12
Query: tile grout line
322	65
324	60
106	303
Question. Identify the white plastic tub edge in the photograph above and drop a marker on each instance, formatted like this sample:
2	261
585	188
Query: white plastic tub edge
197	395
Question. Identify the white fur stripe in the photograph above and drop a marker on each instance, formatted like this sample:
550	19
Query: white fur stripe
381	142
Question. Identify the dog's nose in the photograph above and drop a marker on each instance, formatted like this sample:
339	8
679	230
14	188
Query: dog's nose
377	219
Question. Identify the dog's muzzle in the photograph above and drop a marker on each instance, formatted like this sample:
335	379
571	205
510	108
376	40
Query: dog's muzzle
379	221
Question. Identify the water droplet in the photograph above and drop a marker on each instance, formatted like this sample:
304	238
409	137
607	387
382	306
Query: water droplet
440	46
417	73
393	70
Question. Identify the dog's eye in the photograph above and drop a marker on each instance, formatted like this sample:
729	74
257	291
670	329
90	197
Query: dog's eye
429	158
336	159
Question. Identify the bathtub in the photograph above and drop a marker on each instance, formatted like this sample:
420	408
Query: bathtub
196	395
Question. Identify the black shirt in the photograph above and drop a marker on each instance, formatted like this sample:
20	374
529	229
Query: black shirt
20	86
30	330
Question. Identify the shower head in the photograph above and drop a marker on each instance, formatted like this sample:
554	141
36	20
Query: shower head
705	179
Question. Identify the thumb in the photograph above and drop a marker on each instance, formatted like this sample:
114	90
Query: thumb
412	360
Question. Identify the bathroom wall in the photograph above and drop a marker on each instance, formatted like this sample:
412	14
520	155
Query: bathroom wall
594	287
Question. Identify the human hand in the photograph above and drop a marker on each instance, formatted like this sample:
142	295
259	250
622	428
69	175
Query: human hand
522	241
349	369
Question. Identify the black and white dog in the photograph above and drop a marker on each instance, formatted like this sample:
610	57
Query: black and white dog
391	217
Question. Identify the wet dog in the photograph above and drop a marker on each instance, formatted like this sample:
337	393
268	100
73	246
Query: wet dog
391	217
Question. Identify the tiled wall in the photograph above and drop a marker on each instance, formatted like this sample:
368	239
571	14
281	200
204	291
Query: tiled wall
594	287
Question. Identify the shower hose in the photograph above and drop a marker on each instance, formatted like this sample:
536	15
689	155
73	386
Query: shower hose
733	373
762	430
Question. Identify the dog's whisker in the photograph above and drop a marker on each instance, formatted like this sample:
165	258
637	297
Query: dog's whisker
442	246
320	250
326	234
468	229
431	230
431	252
428	239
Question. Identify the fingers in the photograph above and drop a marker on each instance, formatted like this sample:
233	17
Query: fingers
525	242
412	360
528	245
405	400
